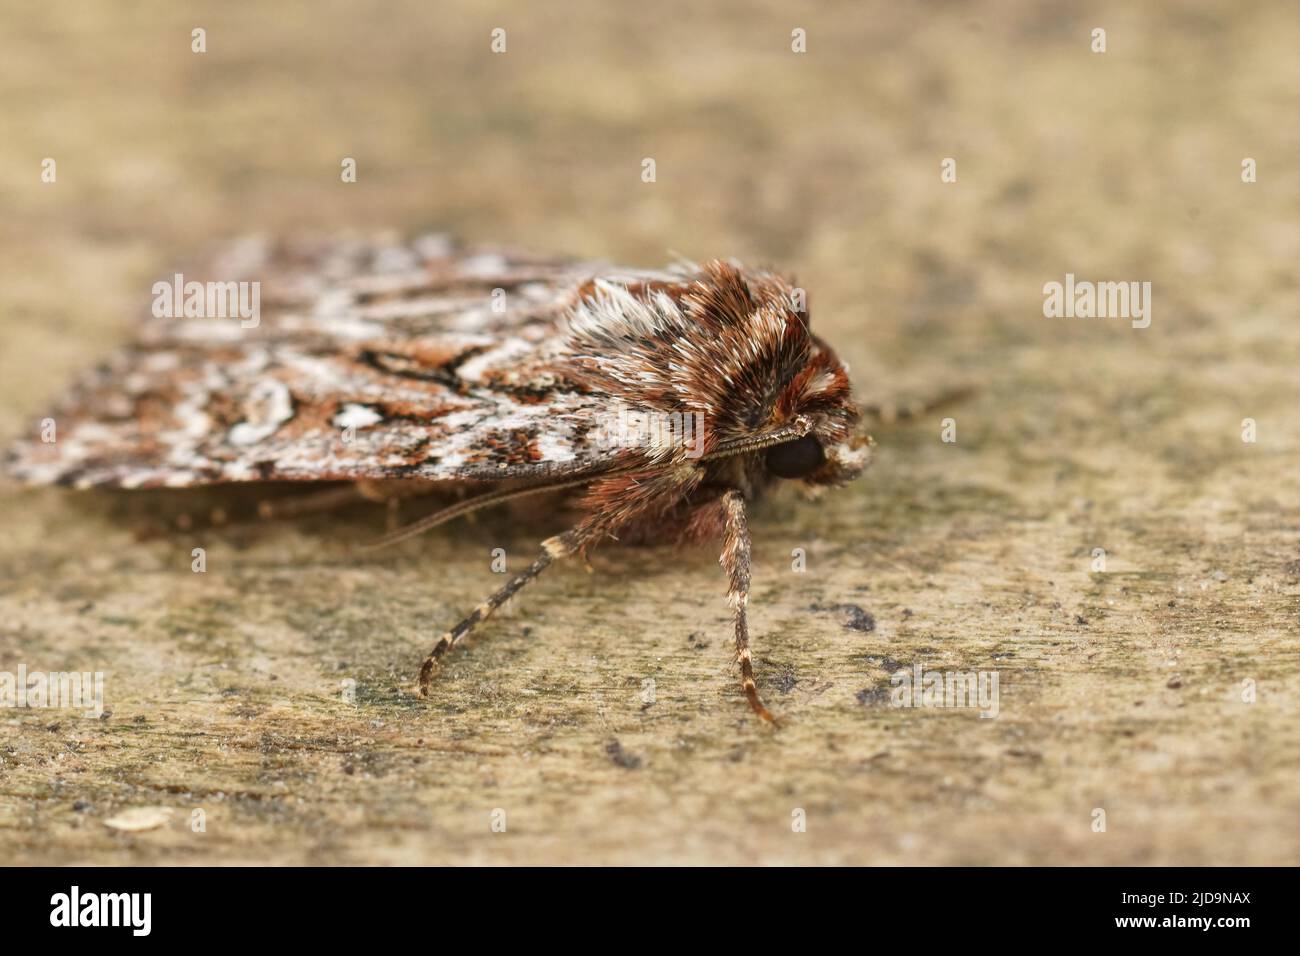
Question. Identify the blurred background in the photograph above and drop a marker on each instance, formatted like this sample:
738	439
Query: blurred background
1117	165
1124	165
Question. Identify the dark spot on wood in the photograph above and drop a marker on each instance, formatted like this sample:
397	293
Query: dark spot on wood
873	696
852	616
621	757
1032	755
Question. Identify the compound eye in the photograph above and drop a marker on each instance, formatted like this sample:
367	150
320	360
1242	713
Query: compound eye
795	459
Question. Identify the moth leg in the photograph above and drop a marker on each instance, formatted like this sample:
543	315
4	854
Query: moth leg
293	506
560	546
390	493
735	561
324	499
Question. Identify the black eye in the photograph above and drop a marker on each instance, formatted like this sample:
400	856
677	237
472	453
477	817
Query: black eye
794	459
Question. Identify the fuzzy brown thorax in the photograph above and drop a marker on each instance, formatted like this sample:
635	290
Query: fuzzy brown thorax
724	346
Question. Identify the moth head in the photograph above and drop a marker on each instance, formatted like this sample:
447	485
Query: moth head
831	452
732	348
775	374
809	460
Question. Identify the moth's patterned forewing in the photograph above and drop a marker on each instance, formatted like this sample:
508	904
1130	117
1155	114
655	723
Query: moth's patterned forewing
369	361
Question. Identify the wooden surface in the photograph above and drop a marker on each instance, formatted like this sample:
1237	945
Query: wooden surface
1120	691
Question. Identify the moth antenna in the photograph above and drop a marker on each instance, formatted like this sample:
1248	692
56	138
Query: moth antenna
796	429
890	413
486	500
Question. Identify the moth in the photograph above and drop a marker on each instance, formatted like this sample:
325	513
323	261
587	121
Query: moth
662	403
